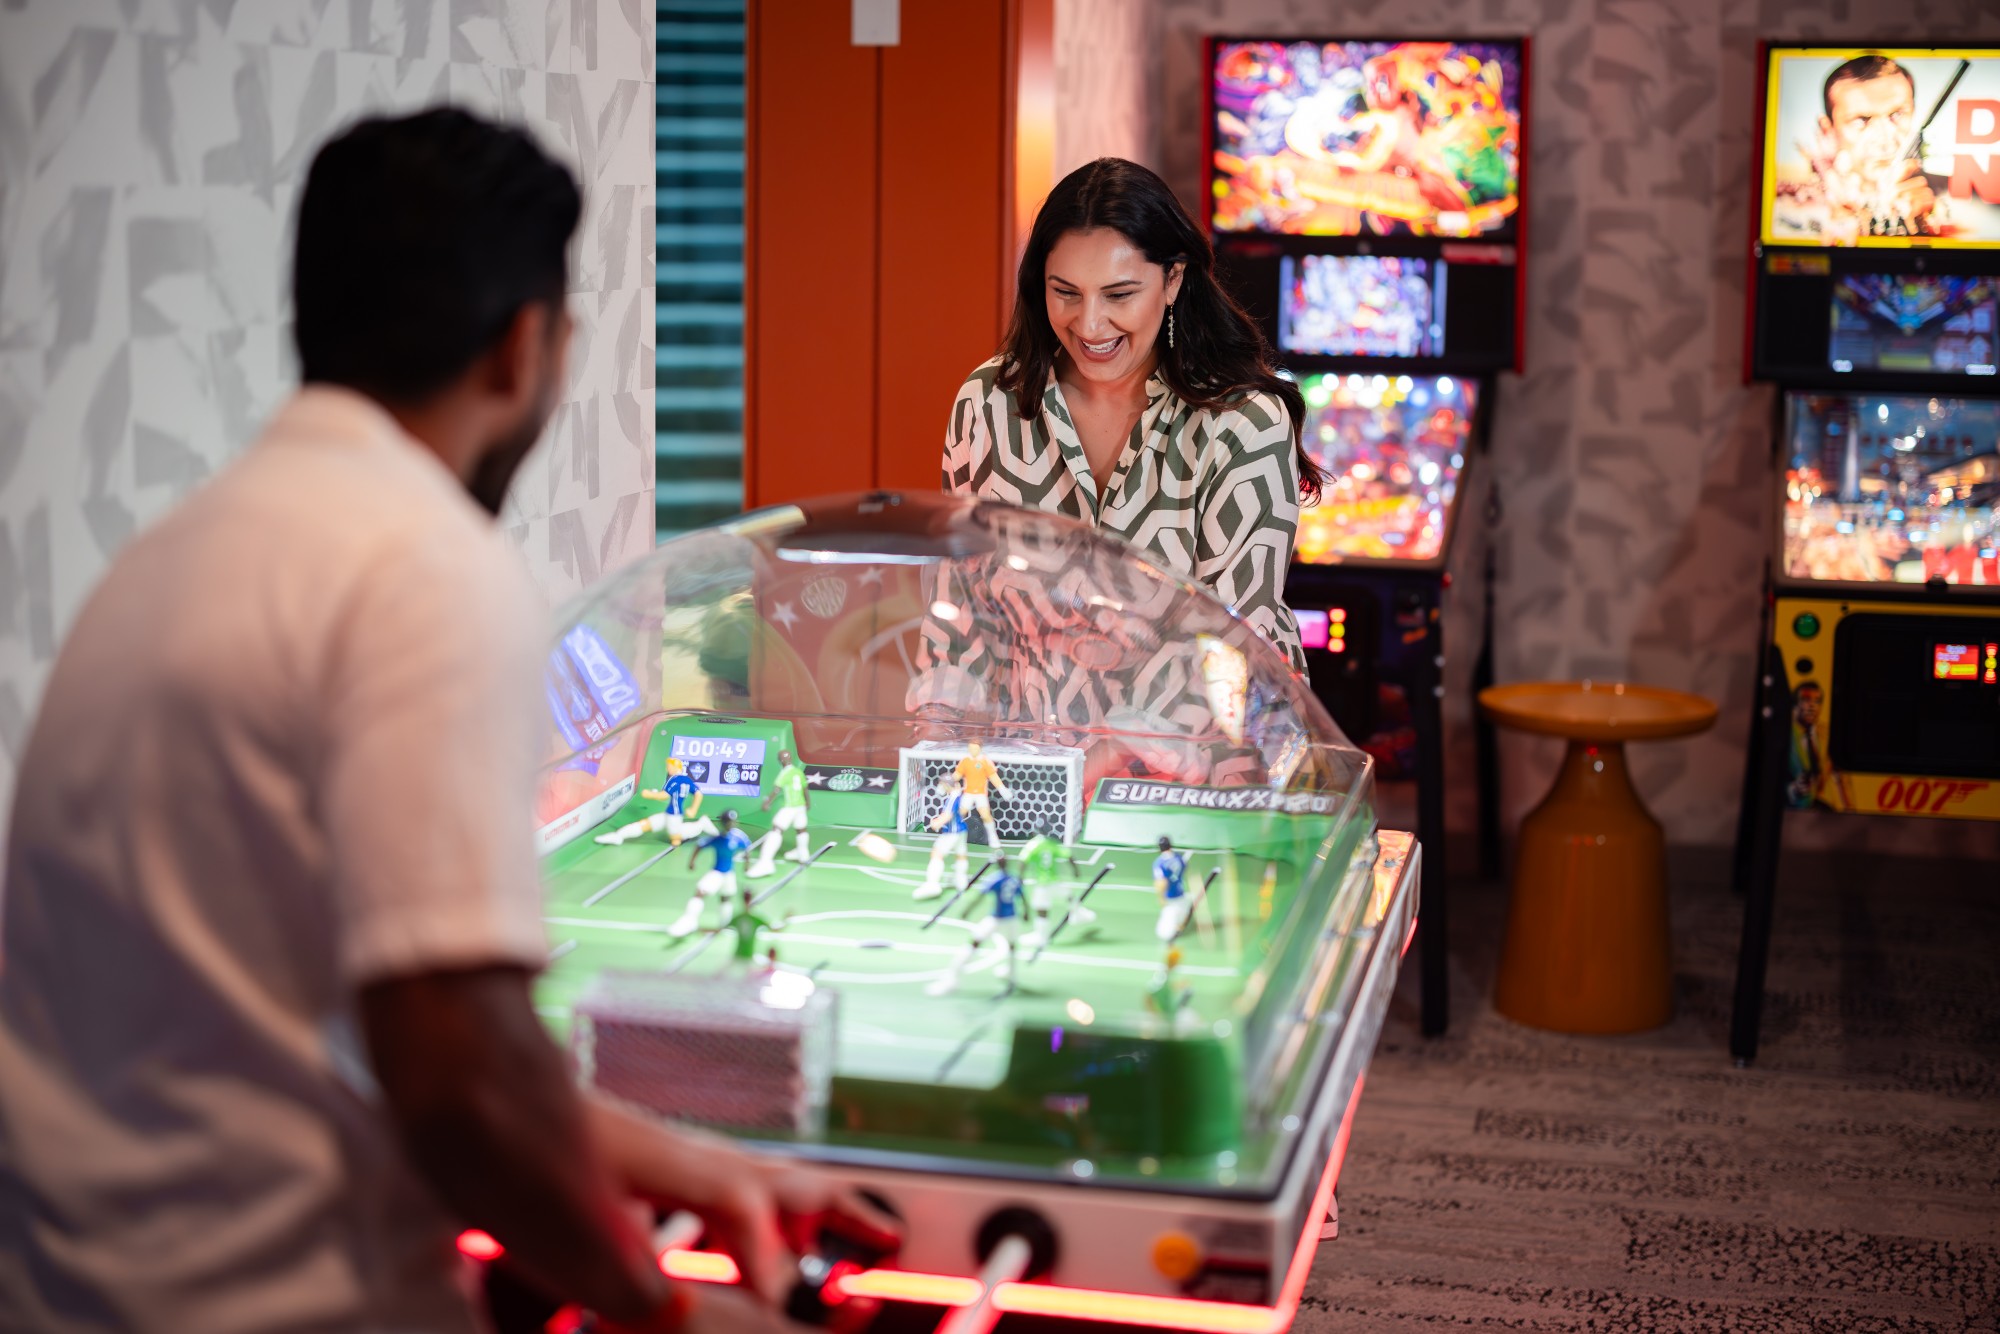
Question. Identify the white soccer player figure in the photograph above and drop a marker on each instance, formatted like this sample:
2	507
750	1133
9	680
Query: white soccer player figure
678	821
950	824
1003	920
790	784
726	844
1170	881
1040	861
975	773
1171	1000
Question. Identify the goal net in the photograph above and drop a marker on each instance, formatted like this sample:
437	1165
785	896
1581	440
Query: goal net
1044	785
749	1052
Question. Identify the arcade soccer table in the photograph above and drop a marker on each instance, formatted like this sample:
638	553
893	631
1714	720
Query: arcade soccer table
1135	1118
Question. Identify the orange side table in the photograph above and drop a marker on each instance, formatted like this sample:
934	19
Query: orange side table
1588	947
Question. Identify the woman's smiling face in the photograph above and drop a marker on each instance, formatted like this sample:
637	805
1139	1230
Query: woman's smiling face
1106	301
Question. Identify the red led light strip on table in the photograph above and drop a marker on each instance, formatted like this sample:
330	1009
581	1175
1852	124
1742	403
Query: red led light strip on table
699	1266
1118	1308
476	1245
1125	1308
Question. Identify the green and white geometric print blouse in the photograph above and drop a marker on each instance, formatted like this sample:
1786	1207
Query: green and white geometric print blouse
1212	496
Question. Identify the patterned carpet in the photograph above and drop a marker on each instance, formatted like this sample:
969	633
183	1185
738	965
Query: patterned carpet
1503	1178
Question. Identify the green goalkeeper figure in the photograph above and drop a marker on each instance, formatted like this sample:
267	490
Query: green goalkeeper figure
1040	864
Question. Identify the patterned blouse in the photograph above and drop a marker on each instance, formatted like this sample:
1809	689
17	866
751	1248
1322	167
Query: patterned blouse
1212	496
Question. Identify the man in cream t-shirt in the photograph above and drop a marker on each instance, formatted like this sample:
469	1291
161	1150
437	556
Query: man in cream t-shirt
271	907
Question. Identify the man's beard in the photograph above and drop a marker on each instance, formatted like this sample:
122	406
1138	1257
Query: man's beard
494	472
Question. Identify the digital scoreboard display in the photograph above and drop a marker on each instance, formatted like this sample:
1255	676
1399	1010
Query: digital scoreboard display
720	765
1918	323
1361	306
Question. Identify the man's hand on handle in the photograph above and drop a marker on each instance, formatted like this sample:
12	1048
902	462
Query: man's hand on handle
764	1214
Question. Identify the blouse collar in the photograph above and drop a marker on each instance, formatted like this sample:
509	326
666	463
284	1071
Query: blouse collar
1160	400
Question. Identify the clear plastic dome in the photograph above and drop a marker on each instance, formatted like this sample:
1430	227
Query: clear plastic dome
875	638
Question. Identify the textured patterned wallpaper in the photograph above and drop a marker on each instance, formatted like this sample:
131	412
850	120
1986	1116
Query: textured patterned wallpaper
150	153
1632	462
1107	68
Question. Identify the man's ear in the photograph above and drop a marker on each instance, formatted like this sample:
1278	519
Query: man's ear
510	363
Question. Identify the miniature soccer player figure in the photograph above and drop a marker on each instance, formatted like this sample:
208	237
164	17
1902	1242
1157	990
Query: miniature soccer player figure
683	798
1170	880
975	773
1038	868
747	926
1168	996
1004	920
726	844
791	785
950	824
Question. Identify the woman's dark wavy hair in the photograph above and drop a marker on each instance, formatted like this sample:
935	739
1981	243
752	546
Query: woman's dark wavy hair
1218	354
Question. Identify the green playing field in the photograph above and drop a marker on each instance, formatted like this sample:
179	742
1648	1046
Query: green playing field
852	922
1073	1059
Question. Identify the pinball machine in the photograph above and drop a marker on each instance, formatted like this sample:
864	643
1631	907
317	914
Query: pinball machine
1367	208
1876	308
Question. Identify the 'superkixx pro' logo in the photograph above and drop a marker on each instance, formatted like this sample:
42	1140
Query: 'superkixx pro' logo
1126	792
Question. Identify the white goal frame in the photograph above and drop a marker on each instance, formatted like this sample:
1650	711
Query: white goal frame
1026	769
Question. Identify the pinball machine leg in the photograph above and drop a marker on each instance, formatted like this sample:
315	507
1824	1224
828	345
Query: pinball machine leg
1763	829
1763	691
1485	742
1427	717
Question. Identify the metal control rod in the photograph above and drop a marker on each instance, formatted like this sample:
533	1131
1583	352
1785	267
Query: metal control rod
678	1231
1008	1263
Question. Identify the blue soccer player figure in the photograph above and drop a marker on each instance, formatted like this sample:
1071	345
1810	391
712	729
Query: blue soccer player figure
950	826
1170	882
725	845
1004	919
678	821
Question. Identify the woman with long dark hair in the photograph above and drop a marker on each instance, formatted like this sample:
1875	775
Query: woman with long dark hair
1135	394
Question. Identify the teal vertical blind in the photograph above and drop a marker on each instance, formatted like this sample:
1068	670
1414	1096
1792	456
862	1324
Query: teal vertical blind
698	185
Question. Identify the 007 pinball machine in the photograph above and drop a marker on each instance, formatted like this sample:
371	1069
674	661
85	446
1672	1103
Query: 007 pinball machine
1876	281
1366	203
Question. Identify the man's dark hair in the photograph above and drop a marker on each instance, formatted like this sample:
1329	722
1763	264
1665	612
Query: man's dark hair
1860	70
420	238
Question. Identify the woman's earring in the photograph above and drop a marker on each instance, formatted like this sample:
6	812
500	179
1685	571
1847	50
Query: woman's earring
1170	324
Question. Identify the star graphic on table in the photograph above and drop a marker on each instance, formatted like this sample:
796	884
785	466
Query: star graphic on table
815	777
872	575
880	780
782	614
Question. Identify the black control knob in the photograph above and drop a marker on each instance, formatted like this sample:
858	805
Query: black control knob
1018	1221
